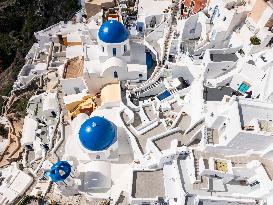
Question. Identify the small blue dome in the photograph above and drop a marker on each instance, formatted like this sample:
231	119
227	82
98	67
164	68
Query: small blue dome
113	32
97	133
60	171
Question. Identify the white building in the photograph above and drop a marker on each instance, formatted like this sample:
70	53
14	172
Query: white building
14	184
162	139
114	58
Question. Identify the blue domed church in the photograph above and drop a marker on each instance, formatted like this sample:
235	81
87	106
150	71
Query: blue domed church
113	58
97	145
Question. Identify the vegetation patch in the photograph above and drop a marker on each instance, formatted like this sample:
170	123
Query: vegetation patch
4	131
255	40
18	22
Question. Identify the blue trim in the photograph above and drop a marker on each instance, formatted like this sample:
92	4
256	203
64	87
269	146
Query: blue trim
149	60
60	171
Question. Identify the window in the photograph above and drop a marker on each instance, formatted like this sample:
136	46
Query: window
140	75
77	90
54	115
125	48
115	74
225	18
244	87
114	51
192	31
102	48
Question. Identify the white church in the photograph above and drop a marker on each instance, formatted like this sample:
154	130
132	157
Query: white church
114	58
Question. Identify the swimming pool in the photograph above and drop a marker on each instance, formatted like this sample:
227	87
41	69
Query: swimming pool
164	95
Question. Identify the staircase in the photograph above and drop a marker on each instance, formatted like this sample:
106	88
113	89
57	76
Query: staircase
173	91
196	165
170	34
149	88
218	81
156	78
210	136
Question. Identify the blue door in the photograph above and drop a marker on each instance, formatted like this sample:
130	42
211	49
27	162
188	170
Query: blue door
244	87
114	51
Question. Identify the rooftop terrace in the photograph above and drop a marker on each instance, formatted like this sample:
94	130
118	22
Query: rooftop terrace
223	57
164	142
148	184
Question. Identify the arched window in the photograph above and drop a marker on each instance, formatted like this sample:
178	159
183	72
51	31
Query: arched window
115	74
102	48
125	48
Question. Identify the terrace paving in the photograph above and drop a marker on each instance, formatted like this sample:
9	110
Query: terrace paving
148	184
164	142
142	139
150	112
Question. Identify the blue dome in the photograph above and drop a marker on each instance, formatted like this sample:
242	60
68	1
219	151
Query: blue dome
97	133
60	171
113	32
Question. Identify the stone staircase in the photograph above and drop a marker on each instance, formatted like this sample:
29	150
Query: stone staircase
156	78
213	83
210	136
173	91
150	87
196	165
170	34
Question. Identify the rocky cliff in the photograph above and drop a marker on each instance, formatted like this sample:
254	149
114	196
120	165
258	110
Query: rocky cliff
19	19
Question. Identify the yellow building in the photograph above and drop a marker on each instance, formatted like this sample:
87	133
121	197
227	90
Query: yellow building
86	105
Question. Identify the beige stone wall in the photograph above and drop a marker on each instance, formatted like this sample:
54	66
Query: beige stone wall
92	9
259	7
110	93
94	6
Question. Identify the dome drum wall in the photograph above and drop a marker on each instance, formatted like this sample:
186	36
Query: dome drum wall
97	134
106	49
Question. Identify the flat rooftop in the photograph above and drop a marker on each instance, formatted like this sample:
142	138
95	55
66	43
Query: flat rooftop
250	110
223	57
150	112
142	139
215	94
164	142
74	68
148	184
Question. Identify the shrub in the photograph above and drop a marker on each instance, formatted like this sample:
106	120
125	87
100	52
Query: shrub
3	131
255	40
